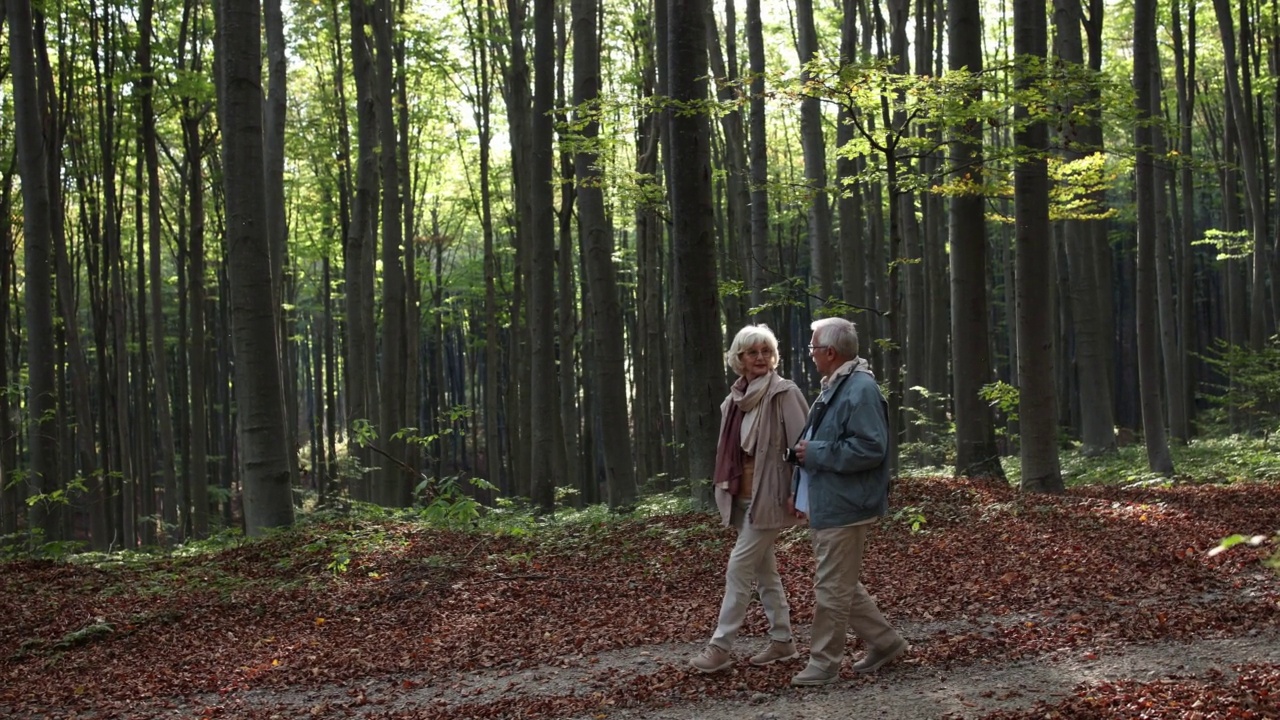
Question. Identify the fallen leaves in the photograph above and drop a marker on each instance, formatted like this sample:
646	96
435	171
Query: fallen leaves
996	576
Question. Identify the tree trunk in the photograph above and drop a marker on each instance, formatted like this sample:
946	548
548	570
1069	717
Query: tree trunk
1185	72
268	495
361	380
1248	148
758	151
1144	45
8	442
596	236
275	112
38	269
159	355
396	484
1097	427
1172	348
976	452
821	255
1038	404
693	243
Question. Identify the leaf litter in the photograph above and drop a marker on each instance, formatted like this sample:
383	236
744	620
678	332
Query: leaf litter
1103	602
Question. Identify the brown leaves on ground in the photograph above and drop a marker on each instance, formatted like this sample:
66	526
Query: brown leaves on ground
995	576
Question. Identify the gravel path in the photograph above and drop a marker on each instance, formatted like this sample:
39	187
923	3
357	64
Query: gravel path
905	690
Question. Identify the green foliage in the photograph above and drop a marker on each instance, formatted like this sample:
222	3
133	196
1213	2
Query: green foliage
62	496
1231	245
1003	397
1229	459
1250	393
937	444
1229	542
447	504
913	517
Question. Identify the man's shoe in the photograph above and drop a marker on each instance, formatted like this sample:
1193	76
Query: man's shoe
811	676
875	659
776	652
712	659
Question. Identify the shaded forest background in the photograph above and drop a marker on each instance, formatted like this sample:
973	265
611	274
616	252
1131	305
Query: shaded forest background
263	257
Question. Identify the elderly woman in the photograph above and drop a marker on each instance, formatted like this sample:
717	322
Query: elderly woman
763	414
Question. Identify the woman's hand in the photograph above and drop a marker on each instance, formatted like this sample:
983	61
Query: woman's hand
791	507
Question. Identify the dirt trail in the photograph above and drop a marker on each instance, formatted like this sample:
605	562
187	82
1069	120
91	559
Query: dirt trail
905	690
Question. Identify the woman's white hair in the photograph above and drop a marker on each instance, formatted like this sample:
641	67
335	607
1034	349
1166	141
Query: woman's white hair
747	337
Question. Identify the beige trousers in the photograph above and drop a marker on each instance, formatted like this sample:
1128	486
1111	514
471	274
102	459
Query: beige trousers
752	562
840	600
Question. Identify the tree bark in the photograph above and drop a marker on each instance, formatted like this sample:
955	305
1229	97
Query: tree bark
268	495
821	255
396	485
1144	36
694	243
38	268
596	236
976	452
1038	403
1097	426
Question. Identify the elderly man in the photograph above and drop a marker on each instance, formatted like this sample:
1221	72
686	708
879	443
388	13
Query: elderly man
841	484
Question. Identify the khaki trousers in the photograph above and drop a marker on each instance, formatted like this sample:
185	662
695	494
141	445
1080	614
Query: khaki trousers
752	562
840	600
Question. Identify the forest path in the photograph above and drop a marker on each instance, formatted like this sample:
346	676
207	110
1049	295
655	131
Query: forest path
907	689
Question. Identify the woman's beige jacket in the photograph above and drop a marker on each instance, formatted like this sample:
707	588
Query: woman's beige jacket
771	482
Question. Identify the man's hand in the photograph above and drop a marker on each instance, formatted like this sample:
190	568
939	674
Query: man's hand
799	451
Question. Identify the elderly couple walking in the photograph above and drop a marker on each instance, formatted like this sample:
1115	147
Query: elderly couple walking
778	463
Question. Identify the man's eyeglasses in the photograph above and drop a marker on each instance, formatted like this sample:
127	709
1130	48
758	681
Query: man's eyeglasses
755	354
817	347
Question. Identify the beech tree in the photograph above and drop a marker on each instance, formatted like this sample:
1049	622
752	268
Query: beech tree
1038	403
976	452
693	240
268	494
42	434
1144	47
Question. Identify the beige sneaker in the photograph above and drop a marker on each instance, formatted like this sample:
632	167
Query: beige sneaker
811	676
875	659
712	659
776	652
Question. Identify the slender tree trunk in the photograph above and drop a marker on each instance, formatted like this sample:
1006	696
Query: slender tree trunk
1097	428
412	369
567	325
821	255
1185	71
852	238
1172	349
758	152
1248	148
159	356
596	237
396	485
1144	35
277	228
198	361
976	452
9	499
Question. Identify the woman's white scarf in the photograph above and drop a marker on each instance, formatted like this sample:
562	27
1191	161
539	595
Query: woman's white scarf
748	398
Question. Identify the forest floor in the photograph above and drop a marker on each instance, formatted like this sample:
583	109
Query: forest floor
1105	602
